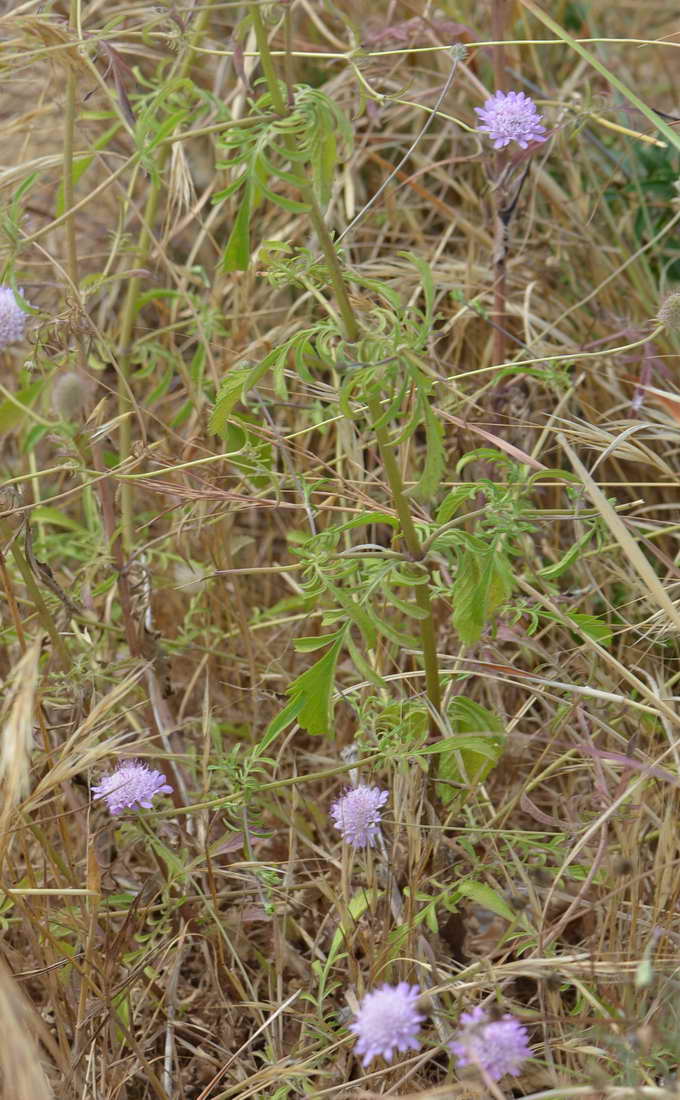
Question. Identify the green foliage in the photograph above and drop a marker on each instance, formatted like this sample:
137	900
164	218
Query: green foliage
466	758
261	151
650	178
483	582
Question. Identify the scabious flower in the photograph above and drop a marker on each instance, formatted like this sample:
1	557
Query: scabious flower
357	815
511	116
498	1046
130	784
388	1021
12	318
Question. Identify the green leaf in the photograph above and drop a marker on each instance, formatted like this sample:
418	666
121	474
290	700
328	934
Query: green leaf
313	642
452	502
428	289
592	627
45	514
237	253
230	392
280	722
472	752
363	666
238	380
483	582
313	690
552	572
483	895
367	518
471	717
355	612
13	412
431	477
324	167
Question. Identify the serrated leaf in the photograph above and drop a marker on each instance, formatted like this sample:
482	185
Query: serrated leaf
483	582
314	687
468	598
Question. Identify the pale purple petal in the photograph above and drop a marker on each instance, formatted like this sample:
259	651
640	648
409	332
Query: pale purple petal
388	1021
511	116
357	815
497	1046
131	784
12	318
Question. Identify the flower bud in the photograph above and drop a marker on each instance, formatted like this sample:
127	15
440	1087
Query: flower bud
69	394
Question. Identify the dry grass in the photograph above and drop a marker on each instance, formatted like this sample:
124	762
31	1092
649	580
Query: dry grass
217	947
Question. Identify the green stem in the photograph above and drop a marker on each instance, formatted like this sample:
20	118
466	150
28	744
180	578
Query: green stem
129	315
352	333
70	226
46	620
428	638
349	321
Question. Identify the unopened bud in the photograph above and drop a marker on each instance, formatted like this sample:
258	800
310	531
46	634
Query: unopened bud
69	394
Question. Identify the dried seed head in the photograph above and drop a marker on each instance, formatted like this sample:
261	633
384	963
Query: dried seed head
669	312
69	394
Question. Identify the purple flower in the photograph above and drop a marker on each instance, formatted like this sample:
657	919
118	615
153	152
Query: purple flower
497	1046
387	1021
511	116
357	815
12	318
131	783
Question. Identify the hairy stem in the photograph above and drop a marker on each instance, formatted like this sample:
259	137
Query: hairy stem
498	17
349	321
428	638
129	314
352	333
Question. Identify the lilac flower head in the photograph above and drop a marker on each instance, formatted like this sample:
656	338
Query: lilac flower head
131	783
387	1021
12	318
357	815
511	116
498	1046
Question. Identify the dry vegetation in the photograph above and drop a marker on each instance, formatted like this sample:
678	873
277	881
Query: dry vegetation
153	589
